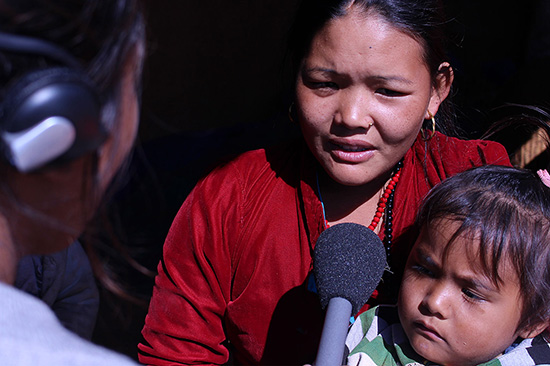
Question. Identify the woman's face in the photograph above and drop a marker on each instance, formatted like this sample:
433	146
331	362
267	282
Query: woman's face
362	93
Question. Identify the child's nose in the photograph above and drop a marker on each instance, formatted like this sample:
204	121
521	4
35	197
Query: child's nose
437	301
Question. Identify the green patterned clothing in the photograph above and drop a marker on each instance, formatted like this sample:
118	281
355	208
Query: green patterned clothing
377	339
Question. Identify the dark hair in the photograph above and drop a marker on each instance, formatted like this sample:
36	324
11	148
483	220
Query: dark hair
508	210
99	34
421	19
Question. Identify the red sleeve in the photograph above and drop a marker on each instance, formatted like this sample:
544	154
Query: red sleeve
184	324
427	164
447	156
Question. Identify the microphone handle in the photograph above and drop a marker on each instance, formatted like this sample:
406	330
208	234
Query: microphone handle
333	339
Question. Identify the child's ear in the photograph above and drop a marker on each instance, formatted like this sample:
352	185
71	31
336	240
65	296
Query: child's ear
533	331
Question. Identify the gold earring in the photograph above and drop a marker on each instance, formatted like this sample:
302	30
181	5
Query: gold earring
290	113
425	135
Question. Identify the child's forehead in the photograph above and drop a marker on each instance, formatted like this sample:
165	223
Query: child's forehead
443	240
444	233
446	240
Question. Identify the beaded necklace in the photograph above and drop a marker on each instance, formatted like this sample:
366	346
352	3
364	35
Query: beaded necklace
384	209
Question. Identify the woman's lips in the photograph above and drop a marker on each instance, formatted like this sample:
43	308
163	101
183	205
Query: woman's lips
350	151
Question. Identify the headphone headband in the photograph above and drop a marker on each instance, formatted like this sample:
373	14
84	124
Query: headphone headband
33	46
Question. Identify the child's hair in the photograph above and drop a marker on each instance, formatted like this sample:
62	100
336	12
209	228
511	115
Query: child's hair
508	210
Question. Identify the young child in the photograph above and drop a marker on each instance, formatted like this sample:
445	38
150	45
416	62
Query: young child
476	287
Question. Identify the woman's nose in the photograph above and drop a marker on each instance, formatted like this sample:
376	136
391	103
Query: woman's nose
355	110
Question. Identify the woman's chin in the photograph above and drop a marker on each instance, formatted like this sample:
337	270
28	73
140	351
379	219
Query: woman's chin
350	177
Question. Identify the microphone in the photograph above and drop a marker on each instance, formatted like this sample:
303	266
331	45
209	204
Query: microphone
348	263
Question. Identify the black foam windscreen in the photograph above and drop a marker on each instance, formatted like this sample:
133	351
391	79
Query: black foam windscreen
348	262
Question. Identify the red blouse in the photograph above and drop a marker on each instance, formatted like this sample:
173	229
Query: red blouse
236	260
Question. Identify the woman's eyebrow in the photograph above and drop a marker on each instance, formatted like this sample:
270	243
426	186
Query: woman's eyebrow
320	70
399	79
328	71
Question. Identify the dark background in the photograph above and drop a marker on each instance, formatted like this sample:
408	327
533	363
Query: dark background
215	84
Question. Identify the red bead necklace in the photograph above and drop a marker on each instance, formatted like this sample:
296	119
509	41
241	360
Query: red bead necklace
385	204
385	207
384	200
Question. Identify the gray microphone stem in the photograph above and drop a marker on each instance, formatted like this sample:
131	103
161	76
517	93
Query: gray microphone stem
332	344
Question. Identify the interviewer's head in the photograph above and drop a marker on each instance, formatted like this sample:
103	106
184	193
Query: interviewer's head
97	47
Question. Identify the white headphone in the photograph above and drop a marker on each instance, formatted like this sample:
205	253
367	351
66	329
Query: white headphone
48	115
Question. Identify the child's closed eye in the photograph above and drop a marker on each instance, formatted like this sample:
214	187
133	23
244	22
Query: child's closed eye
472	295
423	270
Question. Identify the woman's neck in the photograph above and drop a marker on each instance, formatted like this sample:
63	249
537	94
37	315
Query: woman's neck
356	204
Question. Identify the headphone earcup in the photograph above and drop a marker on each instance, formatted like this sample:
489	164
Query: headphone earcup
50	115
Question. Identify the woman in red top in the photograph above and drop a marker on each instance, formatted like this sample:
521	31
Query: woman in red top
234	280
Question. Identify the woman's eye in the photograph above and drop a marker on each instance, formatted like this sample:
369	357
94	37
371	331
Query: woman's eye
323	85
389	92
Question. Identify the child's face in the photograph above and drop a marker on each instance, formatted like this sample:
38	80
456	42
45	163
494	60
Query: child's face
450	310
